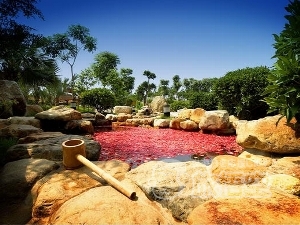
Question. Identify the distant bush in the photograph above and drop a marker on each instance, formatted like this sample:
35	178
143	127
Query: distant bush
204	100
179	104
240	92
100	98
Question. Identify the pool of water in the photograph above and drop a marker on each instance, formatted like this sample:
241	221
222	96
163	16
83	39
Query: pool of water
206	159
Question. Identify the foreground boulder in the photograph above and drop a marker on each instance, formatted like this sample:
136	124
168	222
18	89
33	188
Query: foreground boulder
178	186
12	100
266	135
279	209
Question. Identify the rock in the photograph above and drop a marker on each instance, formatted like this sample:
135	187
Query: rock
16	180
57	188
32	110
157	104
79	127
51	149
60	113
258	157
263	134
233	121
140	121
279	209
197	114
161	123
122	109
283	182
178	186
115	208
4	123
25	121
233	170
189	125
122	117
175	123
13	102
18	130
285	165
184	114
111	117
214	120
39	136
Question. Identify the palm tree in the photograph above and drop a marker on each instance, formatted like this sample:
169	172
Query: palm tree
149	76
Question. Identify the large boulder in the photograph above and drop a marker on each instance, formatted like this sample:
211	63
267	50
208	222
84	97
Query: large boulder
197	114
57	188
280	209
175	123
12	100
24	121
122	109
18	130
179	186
214	121
32	110
161	123
269	134
61	113
16	180
79	127
189	125
56	118
157	104
51	149
233	170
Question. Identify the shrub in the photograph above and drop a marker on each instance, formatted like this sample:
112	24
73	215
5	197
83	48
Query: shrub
204	100
100	98
282	94
179	104
240	92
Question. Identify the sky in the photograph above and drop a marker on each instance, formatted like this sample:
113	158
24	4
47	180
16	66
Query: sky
190	38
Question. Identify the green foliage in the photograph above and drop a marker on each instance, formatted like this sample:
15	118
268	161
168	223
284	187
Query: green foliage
5	144
240	92
104	63
204	100
100	98
283	91
179	104
67	46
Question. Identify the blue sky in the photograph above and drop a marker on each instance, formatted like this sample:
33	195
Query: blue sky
191	38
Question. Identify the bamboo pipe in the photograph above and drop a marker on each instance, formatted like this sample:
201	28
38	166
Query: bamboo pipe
106	176
74	157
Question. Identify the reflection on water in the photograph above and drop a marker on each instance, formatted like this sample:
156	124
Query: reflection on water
205	158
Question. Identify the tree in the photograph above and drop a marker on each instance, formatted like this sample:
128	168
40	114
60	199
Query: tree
177	84
163	88
143	90
100	98
67	46
282	93
21	51
85	80
149	76
104	63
